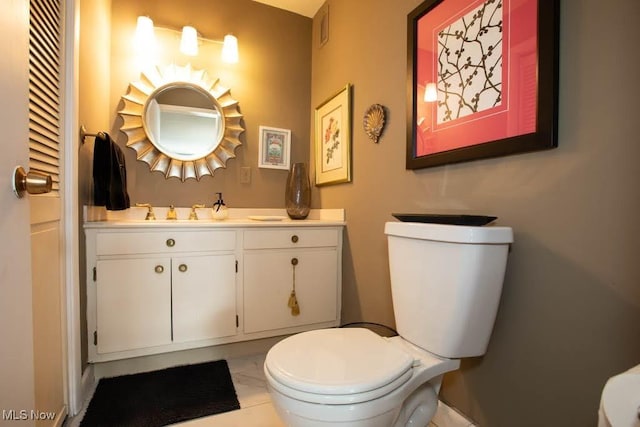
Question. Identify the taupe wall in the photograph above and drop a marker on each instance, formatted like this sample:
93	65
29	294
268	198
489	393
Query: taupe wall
271	83
570	311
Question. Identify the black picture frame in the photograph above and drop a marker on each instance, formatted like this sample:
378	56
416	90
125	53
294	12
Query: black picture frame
546	121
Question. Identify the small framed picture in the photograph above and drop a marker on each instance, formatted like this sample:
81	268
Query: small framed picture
333	139
275	148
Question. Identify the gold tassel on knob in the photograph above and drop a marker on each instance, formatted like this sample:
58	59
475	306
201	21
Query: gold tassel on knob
293	301
295	308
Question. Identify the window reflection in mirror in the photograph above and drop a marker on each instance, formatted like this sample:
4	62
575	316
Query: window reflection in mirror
183	121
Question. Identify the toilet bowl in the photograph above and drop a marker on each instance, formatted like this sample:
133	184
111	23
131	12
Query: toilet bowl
352	377
620	401
446	283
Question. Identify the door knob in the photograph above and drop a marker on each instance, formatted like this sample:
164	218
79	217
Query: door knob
32	182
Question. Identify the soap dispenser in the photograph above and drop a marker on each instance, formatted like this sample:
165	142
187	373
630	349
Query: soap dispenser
219	208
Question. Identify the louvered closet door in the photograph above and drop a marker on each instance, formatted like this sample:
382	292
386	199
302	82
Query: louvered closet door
45	146
45	42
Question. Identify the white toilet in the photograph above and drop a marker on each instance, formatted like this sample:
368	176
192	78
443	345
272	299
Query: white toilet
446	282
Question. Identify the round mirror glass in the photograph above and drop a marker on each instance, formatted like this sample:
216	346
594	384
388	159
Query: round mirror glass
183	121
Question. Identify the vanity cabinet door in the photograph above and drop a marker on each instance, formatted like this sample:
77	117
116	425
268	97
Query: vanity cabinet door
204	297
268	282
133	303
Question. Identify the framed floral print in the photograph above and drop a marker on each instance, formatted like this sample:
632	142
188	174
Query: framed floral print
333	138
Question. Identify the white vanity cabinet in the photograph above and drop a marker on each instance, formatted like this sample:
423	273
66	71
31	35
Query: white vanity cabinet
160	287
203	297
273	259
133	297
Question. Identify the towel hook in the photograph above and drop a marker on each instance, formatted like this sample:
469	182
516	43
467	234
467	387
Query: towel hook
84	134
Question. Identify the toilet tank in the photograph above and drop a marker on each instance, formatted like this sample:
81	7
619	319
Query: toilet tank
446	282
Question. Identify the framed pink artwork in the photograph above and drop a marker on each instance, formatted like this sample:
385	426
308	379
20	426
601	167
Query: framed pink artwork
482	79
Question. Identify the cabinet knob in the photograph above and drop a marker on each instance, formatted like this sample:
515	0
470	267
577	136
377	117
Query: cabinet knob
182	267
294	238
171	243
294	261
159	269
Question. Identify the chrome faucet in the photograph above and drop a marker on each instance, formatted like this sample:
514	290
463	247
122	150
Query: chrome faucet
193	214
150	214
171	213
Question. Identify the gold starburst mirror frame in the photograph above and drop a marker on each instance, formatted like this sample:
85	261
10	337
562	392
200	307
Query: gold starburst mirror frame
181	122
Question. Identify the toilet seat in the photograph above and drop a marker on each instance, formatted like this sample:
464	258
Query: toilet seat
337	366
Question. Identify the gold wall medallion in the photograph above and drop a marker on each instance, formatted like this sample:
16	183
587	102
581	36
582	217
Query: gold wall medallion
374	121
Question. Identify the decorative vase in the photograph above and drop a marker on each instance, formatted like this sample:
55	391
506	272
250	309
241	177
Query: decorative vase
297	196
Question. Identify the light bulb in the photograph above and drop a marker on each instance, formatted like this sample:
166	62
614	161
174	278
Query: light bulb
189	41
144	38
230	49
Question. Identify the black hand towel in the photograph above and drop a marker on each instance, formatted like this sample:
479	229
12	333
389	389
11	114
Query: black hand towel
109	174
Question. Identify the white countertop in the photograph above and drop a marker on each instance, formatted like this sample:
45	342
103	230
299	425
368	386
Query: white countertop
99	217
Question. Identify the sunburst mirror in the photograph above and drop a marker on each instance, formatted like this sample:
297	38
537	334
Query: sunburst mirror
181	122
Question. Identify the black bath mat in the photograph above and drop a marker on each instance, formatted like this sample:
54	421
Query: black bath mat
162	397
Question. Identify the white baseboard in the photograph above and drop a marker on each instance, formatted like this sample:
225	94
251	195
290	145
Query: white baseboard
185	357
87	387
446	416
87	383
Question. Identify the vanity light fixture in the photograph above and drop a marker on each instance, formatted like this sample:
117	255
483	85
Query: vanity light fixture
431	93
189	41
230	49
145	39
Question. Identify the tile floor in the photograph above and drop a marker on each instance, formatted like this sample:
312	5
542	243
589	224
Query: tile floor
251	389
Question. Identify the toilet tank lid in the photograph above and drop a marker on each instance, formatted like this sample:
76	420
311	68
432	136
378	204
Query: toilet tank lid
489	234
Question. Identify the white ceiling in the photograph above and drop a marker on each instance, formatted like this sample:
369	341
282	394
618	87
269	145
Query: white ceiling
301	7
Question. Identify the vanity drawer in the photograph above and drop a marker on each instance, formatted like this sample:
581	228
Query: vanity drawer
290	238
164	242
